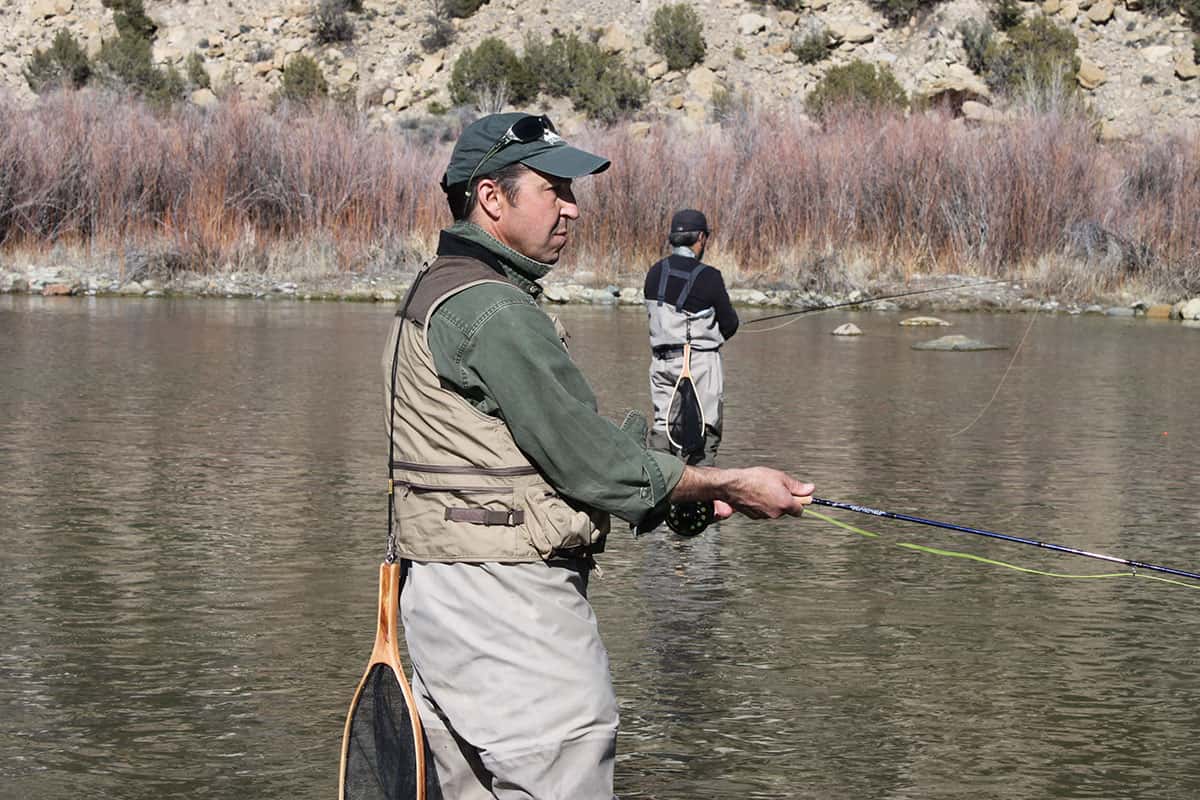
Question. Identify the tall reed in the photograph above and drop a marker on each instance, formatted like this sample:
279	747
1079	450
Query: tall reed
867	195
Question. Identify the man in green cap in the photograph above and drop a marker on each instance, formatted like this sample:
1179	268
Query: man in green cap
505	476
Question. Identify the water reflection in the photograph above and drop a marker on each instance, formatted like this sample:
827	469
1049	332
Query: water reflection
191	520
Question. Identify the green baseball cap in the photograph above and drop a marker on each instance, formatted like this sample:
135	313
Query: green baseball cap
497	140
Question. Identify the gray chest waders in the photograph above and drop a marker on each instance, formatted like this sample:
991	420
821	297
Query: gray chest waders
685	412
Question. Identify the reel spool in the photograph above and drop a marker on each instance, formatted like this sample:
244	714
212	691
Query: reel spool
690	519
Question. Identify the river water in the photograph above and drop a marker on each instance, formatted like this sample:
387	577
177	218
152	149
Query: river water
192	517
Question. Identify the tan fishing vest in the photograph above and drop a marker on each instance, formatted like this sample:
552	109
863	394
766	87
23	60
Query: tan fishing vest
463	490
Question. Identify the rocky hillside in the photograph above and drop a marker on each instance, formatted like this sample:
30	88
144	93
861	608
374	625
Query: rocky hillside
1138	70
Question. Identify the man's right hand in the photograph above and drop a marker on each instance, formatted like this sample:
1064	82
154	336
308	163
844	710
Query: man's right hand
757	492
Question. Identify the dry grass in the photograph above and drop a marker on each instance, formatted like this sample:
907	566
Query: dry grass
867	196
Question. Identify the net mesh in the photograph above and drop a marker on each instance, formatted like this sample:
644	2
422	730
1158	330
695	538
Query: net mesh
685	420
381	760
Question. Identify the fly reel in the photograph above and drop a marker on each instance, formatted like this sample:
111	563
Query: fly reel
690	519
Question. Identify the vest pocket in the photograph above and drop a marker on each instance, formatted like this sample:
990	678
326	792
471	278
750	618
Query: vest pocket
461	523
553	526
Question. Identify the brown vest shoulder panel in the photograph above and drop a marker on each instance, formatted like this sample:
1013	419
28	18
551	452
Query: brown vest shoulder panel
444	277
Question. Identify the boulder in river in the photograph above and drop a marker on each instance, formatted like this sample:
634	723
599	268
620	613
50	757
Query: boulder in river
924	322
555	293
957	343
849	329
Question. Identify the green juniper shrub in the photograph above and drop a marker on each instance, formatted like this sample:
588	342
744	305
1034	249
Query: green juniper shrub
64	63
610	91
126	63
729	106
436	109
1005	14
789	5
812	47
170	87
457	9
976	40
1038	54
303	81
739	53
488	69
677	34
549	62
598	83
130	19
440	36
1189	8
331	23
197	75
857	84
898	12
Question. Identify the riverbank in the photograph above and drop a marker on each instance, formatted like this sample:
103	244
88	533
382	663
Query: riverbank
936	292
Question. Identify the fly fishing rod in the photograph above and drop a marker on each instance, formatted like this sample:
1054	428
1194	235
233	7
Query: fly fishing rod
1134	565
866	300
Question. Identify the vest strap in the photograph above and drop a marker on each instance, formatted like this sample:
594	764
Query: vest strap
486	516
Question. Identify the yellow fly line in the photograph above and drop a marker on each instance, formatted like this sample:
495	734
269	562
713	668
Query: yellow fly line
808	512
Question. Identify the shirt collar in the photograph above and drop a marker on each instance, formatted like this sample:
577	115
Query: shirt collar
465	238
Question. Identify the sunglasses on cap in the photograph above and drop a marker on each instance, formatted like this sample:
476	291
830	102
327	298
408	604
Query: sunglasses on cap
525	130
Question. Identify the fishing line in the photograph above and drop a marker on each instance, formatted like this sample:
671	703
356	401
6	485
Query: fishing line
864	301
996	393
1133	565
991	561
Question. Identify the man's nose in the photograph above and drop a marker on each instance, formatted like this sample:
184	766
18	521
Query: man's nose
568	208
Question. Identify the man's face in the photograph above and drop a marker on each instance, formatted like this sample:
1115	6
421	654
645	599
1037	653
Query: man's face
535	224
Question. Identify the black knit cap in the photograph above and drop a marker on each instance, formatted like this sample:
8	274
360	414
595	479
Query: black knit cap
689	220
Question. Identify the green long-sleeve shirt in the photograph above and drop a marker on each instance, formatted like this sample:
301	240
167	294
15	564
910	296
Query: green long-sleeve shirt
495	346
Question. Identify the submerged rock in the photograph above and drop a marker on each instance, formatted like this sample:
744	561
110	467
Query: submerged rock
924	322
957	343
849	329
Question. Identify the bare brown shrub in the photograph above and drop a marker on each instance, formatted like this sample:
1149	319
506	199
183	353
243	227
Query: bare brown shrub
788	201
94	169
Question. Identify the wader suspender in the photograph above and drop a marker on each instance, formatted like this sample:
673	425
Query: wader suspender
390	556
669	272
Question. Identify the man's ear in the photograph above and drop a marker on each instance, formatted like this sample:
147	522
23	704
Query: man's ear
489	197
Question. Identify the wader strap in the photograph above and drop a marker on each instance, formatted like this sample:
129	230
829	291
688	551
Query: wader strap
485	516
689	276
672	350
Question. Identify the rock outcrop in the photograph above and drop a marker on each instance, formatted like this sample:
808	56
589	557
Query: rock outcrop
1137	68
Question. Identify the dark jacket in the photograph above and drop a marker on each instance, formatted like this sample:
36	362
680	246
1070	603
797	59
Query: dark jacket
708	290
